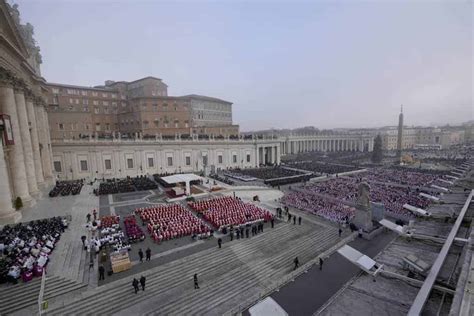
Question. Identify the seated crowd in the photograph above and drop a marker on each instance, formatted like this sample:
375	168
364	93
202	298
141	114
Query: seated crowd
321	168
64	188
309	196
129	184
335	212
165	222
228	211
25	248
133	231
267	173
400	176
111	234
225	180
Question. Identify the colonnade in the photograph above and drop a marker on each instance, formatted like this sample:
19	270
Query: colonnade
267	155
294	145
25	160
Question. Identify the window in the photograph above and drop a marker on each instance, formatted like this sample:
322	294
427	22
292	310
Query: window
84	92
204	160
248	157
124	104
107	126
106	110
61	126
83	165
55	99
219	159
151	162
95	94
70	91
57	166
104	95
85	101
85	109
95	102
188	161
170	161
56	91
155	107
105	102
97	126
108	164
114	95
130	163
234	158
71	101
77	101
96	110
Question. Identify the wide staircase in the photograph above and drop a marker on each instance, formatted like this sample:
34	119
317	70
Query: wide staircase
240	271
14	298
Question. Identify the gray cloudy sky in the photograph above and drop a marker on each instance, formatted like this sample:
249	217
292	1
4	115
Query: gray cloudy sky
283	64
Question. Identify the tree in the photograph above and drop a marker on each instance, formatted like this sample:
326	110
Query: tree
18	203
377	153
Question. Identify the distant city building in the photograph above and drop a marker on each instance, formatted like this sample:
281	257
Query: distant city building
141	106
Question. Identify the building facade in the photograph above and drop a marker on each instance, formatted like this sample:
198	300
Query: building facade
26	156
142	106
77	159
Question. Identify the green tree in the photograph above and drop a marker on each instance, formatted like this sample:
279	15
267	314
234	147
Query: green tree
18	203
377	153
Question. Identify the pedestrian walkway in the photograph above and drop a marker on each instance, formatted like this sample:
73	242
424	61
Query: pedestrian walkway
310	291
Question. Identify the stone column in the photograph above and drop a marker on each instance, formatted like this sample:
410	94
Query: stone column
15	157
278	154
257	157
45	147
35	141
7	213
26	141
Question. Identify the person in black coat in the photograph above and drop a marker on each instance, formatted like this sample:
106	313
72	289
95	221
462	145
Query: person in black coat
148	254
101	272
196	285
140	254
142	282
296	262
135	285
219	242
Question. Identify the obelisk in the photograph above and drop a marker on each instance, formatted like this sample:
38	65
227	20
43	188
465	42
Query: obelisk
400	135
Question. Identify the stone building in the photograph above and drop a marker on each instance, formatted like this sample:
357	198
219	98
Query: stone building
141	106
26	156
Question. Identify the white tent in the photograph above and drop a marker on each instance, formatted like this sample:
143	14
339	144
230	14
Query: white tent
180	178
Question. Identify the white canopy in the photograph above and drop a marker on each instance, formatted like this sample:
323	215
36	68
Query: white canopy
177	178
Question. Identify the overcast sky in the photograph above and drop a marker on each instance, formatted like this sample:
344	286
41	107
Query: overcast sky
284	64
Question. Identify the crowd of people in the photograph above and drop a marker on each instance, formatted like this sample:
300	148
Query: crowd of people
129	184
111	234
400	176
165	222
229	211
329	198
333	211
133	231
267	173
25	248
224	179
322	168
64	188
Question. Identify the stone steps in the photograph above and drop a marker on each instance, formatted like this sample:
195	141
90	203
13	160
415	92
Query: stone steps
125	289
212	265
25	295
228	274
198	303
